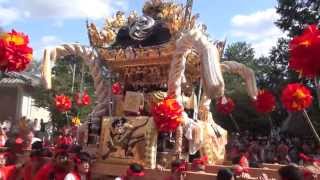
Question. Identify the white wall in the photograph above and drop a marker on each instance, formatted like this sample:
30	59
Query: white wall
32	112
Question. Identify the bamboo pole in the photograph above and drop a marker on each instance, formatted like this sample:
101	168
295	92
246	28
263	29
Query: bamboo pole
311	126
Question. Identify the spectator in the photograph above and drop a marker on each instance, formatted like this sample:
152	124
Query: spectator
37	161
81	170
56	169
199	164
225	174
134	172
290	173
3	137
178	168
42	126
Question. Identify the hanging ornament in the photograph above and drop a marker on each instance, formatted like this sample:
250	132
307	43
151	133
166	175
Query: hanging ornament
296	97
167	115
63	103
82	99
75	121
225	105
265	102
305	52
15	53
116	88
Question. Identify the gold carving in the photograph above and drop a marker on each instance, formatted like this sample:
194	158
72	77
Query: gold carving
133	102
123	140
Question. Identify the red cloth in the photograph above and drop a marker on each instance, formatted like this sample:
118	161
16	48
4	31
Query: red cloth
32	167
49	170
65	140
27	172
7	172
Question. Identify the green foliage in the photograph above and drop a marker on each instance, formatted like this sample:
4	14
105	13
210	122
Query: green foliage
62	76
272	72
244	113
296	14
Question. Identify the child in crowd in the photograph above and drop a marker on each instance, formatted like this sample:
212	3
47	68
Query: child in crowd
134	172
7	172
178	168
56	169
81	170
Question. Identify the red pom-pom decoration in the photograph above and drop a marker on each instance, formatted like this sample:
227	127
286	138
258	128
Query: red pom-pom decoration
63	103
305	52
296	97
116	88
82	99
15	53
225	105
167	115
265	102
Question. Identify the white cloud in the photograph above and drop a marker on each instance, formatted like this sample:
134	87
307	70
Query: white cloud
70	9
45	41
49	40
58	9
258	29
8	15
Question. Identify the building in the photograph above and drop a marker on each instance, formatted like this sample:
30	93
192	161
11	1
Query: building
16	100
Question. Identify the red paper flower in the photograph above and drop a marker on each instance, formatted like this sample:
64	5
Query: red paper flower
63	103
305	52
116	88
265	102
225	105
296	97
167	115
15	54
82	99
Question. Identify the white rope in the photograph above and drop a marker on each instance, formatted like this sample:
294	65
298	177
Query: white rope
245	72
89	57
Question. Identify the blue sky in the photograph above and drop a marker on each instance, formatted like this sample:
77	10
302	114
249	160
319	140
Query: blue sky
52	22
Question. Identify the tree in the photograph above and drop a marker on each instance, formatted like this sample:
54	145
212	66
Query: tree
62	78
296	14
241	52
33	68
244	113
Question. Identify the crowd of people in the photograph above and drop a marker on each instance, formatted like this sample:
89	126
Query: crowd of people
63	159
280	149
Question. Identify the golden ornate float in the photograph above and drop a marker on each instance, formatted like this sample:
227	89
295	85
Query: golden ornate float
162	53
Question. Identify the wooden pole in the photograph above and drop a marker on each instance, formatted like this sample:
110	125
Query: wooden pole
73	76
311	126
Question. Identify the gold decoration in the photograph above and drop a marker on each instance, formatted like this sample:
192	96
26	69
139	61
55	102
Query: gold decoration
132	16
95	38
133	102
170	13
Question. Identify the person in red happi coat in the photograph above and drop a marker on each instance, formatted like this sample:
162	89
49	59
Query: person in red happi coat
57	169
178	168
7	172
36	162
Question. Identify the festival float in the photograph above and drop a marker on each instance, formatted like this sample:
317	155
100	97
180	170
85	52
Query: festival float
154	77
